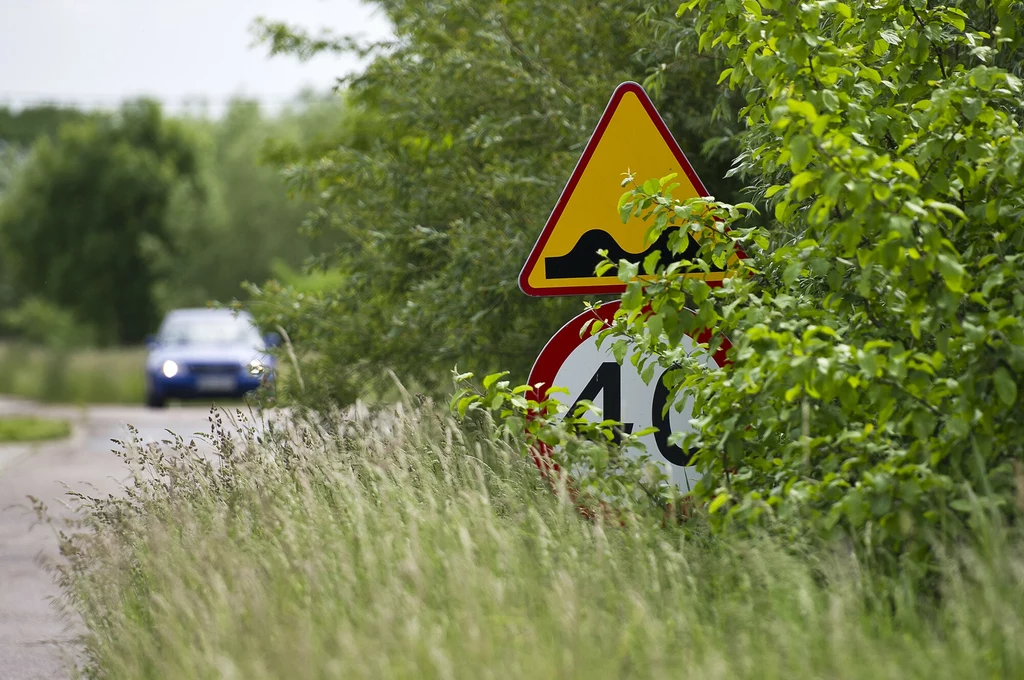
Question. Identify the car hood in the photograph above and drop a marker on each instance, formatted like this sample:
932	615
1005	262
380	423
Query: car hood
197	354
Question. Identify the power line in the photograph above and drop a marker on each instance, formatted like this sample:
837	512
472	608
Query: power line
23	100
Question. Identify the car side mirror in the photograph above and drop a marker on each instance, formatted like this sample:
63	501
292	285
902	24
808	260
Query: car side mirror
272	339
151	341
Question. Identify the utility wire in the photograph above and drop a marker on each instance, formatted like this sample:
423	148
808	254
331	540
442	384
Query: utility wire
26	100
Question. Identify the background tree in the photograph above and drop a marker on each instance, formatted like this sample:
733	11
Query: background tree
78	221
10	159
471	121
22	128
240	220
215	212
18	131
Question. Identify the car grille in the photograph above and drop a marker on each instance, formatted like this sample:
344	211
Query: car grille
213	369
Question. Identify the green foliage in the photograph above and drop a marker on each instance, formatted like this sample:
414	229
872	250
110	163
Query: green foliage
77	224
10	160
878	326
22	128
575	454
18	131
469	125
62	374
37	321
195	233
407	547
232	226
30	429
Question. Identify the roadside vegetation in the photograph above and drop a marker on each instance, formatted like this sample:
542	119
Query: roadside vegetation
15	429
93	250
403	544
464	131
862	485
81	376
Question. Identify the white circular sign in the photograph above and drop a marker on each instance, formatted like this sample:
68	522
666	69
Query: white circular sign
592	373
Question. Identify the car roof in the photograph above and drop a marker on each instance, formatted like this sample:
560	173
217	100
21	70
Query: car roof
207	312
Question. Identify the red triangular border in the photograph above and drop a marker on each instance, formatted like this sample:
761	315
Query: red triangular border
581	167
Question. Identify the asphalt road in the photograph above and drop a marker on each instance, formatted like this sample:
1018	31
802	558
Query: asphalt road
35	642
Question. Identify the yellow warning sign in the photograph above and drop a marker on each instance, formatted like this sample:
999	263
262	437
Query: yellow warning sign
631	136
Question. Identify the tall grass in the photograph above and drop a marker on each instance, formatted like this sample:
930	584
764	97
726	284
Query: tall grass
401	546
83	376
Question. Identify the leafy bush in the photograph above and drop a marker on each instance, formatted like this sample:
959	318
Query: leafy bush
878	324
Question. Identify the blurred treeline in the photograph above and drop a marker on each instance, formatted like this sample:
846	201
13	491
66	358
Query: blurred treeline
419	193
108	219
470	122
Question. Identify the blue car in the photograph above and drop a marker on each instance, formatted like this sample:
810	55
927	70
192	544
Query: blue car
203	353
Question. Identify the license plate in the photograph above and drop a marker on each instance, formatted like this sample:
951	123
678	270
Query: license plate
216	383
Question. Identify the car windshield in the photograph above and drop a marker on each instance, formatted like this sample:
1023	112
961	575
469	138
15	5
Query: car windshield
209	330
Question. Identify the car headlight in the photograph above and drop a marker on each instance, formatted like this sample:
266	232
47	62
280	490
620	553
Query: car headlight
256	367
169	369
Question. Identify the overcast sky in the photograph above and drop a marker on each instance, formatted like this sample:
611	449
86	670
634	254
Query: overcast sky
99	52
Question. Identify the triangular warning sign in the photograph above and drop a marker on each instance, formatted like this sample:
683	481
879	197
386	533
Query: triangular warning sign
631	136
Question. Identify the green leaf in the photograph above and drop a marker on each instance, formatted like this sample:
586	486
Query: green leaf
465	403
802	179
871	74
804	108
960	505
830	99
890	37
792	272
490	380
1006	386
954	21
800	152
627	270
952	272
720	500
633	297
946	207
782	210
625	212
652	186
908	168
651	262
619	350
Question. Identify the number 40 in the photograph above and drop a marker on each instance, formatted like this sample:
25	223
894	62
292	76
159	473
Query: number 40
608	379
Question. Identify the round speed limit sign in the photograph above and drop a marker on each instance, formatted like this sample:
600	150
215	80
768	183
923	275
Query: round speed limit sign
592	373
